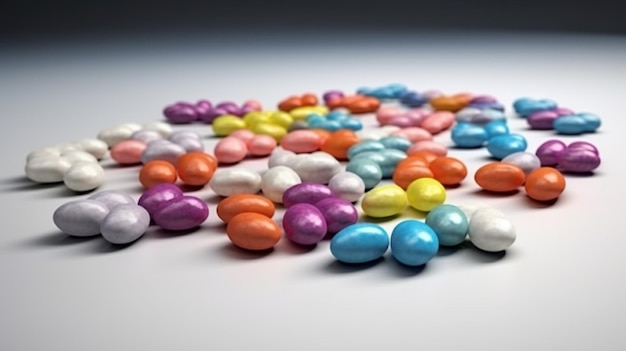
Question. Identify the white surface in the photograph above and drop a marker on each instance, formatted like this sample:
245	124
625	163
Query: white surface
559	287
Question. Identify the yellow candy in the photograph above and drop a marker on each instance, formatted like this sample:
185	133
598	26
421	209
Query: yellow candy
254	117
274	130
283	119
300	113
384	201
226	124
424	194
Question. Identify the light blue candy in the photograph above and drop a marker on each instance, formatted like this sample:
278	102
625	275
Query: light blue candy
336	116
368	170
502	146
449	223
570	125
527	106
397	89
494	128
387	159
351	123
360	243
330	125
396	142
592	121
413	243
467	135
363	146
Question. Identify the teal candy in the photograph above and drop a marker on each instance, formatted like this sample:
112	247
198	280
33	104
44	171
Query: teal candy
495	128
387	159
467	135
449	223
360	243
351	123
592	122
413	243
330	125
363	146
368	170
570	125
336	116
396	142
527	106
502	146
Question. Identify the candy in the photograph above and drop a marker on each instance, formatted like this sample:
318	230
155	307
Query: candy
360	243
226	124
157	172
449	223
47	169
253	231
233	181
275	181
592	122
544	184
239	203
114	135
317	167
438	121
304	224
525	160
301	141
368	170
306	192
155	197
405	173
578	160
489	230
80	217
162	150
338	213
125	224
78	155
84	176
570	125
146	136
424	194
244	135
196	168
582	145
499	177
501	146
384	201
96	147
396	142
261	145
112	198
550	152
448	170
279	157
128	152
527	106
363	146
164	129
413	134
447	103
347	185
542	120
466	135
413	243
230	150
432	146
181	213
180	113
496	128
339	143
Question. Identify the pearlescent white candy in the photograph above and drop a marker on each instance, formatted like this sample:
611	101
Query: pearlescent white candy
490	230
80	217
232	181
47	169
190	144
317	168
112	136
112	198
63	147
84	176
276	180
43	153
162	150
347	186
125	224
183	134
279	157
160	127
146	136
527	161
96	147
78	155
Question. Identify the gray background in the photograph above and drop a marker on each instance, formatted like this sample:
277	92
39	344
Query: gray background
560	286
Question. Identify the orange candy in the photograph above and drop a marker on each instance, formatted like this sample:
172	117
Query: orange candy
544	184
157	172
424	155
448	170
449	103
355	103
295	101
499	177
405	175
339	142
240	203
196	168
253	231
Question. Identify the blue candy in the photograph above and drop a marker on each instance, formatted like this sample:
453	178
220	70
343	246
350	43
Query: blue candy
528	106
495	128
413	243
396	142
330	125
501	146
363	146
592	122
336	116
360	243
449	223
413	99
494	105
368	170
467	135
570	125
351	123
387	159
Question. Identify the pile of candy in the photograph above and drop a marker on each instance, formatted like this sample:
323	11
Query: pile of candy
323	169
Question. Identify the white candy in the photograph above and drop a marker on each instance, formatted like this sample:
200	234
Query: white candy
235	181
47	169
112	136
317	168
527	161
347	186
162	128
80	217
146	136
125	224
162	150
376	134
96	147
490	230
84	176
112	198
78	155
43	153
63	147
183	134
279	157
276	180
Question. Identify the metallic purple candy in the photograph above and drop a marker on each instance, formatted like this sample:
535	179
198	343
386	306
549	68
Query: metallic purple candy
338	213
180	113
331	94
542	120
304	224
181	213
230	107
479	99
579	160
583	145
153	198
203	109
550	152
306	192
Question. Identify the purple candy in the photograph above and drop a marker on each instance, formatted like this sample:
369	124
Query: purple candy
338	213
154	197
304	224
563	111
583	145
203	109
181	213
579	160
306	192
180	113
479	99
230	107
542	120
550	152
332	94
246	109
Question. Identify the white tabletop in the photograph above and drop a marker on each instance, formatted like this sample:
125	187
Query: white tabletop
559	287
